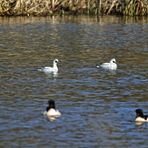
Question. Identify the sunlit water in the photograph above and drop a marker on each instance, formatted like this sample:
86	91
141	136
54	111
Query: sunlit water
98	107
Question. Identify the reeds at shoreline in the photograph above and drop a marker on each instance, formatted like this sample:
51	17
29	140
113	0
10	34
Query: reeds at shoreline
63	7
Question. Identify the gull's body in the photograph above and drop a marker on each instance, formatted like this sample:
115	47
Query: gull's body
109	66
53	69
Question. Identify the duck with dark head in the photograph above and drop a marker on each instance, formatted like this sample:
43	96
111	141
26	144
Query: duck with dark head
140	117
51	112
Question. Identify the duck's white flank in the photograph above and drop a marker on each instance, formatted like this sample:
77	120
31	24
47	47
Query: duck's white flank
140	119
53	113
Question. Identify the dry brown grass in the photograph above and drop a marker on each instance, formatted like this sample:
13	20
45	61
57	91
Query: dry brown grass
136	7
54	7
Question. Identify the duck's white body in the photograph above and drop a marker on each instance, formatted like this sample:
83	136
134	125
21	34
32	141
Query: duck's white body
140	119
53	69
53	113
109	66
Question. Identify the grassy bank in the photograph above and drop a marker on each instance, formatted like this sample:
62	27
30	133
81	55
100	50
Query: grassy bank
62	7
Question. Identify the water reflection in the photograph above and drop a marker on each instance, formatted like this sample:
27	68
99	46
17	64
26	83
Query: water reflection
139	123
49	118
113	72
80	19
50	74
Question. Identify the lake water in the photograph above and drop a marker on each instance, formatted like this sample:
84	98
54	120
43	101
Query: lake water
98	107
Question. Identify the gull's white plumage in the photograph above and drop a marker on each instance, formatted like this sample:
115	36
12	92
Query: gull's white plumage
109	66
53	69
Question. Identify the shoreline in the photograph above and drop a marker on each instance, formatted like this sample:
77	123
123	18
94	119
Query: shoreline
83	19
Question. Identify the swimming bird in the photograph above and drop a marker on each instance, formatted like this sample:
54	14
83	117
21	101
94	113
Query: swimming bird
53	69
51	110
140	117
109	66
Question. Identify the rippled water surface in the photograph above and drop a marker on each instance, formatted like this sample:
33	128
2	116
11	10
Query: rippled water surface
97	106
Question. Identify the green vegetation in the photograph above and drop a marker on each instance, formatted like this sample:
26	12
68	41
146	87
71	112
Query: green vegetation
62	7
